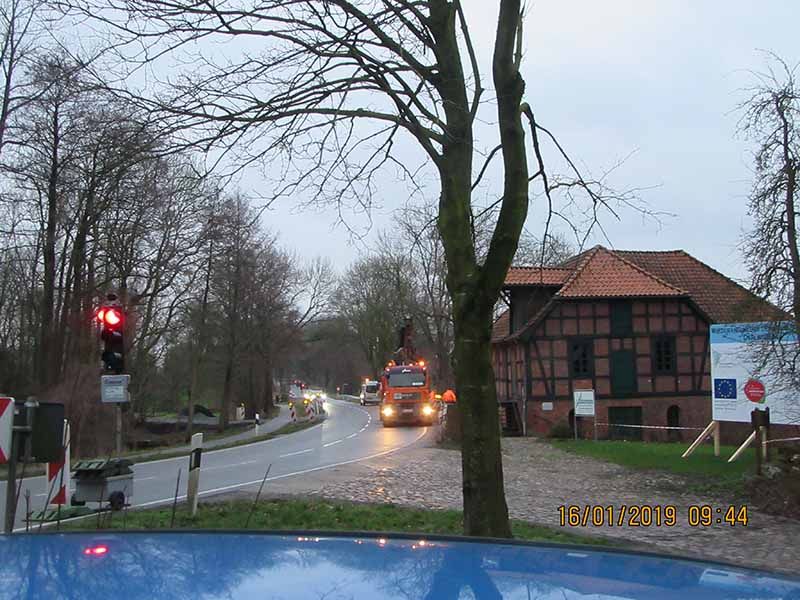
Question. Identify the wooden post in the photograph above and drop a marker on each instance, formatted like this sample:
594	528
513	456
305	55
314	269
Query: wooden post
743	447
755	420
706	432
716	438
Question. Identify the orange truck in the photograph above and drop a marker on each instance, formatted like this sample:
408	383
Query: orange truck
406	395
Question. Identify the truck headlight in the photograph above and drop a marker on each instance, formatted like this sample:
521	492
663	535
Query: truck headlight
427	411
387	411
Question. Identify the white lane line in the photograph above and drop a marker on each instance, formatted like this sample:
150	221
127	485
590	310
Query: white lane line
352	435
247	483
207	452
255	481
247	462
332	443
296	453
146	478
284	476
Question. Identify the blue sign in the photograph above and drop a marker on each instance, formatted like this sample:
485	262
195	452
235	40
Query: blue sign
725	388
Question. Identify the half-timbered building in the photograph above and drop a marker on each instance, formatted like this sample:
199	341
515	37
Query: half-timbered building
632	326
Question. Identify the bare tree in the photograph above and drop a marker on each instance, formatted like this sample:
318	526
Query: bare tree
771	118
329	89
373	296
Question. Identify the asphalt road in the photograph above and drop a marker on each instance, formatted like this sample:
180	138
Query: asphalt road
351	433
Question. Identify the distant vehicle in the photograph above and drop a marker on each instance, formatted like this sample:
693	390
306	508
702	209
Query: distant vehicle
406	396
253	564
370	392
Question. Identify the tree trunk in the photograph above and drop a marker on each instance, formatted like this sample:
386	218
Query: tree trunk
226	393
49	255
268	403
485	509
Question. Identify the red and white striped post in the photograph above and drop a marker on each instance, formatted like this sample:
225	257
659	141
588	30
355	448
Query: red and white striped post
58	473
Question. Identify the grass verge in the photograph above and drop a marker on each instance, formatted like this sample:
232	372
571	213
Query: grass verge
704	472
320	515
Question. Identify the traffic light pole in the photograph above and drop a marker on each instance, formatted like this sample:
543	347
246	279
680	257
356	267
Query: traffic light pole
118	429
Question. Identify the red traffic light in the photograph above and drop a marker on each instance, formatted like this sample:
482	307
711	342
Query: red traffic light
109	316
112	317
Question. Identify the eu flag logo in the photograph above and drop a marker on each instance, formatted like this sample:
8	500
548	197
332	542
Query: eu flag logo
725	388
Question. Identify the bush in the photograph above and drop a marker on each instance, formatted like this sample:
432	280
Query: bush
561	431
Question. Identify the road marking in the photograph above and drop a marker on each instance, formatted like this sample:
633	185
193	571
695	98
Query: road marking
332	443
247	462
285	475
296	453
248	483
352	435
207	452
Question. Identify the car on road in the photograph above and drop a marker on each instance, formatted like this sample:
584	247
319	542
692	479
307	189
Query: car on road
252	564
370	392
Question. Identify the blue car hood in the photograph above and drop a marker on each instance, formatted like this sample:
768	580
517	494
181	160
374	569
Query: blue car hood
210	565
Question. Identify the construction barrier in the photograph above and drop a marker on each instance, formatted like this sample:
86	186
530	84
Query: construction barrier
58	473
292	411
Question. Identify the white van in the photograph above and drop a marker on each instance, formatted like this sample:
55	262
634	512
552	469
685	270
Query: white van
369	393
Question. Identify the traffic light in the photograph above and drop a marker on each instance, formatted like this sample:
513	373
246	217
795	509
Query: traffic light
112	320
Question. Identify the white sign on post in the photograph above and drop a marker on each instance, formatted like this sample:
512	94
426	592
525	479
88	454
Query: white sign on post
738	385
6	427
584	403
114	388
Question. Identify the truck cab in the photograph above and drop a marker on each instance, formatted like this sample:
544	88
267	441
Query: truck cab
406	396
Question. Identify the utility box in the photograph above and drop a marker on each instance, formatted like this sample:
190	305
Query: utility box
47	438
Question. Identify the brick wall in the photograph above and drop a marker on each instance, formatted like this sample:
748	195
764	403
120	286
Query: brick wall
694	412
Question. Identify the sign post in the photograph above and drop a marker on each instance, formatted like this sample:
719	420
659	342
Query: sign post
194	472
6	428
8	447
58	472
584	407
114	390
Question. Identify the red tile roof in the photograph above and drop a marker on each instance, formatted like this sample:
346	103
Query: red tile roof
720	298
602	273
537	276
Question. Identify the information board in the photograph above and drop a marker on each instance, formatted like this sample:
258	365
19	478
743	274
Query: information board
584	403
114	388
740	384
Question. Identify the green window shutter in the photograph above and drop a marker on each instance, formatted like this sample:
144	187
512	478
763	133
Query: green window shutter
621	319
623	372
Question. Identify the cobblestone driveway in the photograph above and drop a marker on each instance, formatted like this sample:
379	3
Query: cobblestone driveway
539	478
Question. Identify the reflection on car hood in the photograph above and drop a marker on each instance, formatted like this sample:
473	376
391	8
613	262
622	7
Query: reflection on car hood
255	565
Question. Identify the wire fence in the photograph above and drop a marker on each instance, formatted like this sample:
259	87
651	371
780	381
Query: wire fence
649	426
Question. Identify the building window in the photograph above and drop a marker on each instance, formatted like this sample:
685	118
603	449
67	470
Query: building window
621	319
581	360
664	355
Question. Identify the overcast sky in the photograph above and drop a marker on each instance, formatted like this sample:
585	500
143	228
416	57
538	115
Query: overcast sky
658	78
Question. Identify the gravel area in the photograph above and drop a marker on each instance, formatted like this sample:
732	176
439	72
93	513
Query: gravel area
539	478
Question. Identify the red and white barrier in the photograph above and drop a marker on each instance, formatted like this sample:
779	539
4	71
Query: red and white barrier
58	473
292	412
